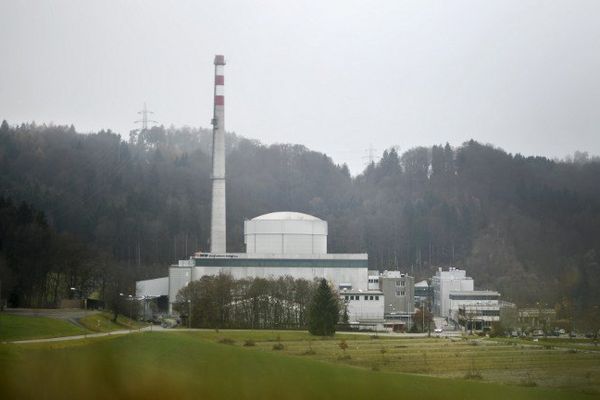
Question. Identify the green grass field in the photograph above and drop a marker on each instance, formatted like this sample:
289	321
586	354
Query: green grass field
16	327
102	322
508	362
196	365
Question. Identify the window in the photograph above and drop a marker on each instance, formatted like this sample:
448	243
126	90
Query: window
376	297
401	283
397	283
402	293
346	298
366	297
370	280
370	297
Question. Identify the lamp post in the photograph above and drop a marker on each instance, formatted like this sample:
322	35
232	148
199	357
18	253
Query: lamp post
79	294
130	298
423	316
189	301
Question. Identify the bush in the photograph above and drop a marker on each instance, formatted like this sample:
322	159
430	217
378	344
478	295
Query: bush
278	346
473	375
249	343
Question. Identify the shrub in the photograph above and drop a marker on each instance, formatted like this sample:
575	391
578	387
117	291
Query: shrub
278	346
343	345
249	343
473	375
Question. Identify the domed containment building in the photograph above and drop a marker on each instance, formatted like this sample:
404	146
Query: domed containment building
285	233
277	244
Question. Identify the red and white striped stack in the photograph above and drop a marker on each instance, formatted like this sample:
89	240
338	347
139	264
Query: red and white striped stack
219	81
218	229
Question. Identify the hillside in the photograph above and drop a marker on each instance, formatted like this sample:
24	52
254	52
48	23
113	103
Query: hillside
527	226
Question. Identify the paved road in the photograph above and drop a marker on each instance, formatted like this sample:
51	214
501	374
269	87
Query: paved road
78	337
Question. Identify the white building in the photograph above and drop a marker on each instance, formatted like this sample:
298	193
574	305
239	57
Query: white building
476	309
278	244
364	307
443	283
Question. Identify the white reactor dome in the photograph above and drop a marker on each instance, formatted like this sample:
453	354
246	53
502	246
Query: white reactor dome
285	232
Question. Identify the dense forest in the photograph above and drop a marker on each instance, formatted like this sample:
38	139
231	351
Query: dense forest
526	226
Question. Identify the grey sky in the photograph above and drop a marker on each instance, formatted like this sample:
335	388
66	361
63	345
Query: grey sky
336	76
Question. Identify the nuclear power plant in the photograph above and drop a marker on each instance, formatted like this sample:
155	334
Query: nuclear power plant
278	244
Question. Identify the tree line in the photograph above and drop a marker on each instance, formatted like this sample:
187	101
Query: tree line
526	226
259	303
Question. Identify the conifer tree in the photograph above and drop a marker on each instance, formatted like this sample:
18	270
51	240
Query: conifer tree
324	311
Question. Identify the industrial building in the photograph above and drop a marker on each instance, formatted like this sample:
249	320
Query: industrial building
277	244
398	290
476	309
455	299
445	281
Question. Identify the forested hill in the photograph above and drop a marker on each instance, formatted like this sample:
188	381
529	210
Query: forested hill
526	226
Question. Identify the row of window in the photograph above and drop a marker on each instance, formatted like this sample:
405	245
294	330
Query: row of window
374	280
357	297
399	292
399	283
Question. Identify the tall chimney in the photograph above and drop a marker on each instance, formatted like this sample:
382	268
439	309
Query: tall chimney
217	222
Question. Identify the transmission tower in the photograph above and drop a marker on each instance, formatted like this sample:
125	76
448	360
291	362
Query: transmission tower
370	157
144	121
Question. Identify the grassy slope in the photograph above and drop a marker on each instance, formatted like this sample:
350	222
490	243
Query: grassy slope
102	322
181	365
15	327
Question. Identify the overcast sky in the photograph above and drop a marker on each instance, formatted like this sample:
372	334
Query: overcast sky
336	76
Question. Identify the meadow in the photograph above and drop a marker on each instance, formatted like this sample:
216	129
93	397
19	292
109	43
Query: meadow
288	365
102	322
16	327
188	365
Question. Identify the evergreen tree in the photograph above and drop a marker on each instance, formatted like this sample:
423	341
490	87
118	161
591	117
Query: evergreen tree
324	311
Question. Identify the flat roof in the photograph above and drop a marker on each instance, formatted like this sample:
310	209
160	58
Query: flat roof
277	262
352	291
474	293
327	256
